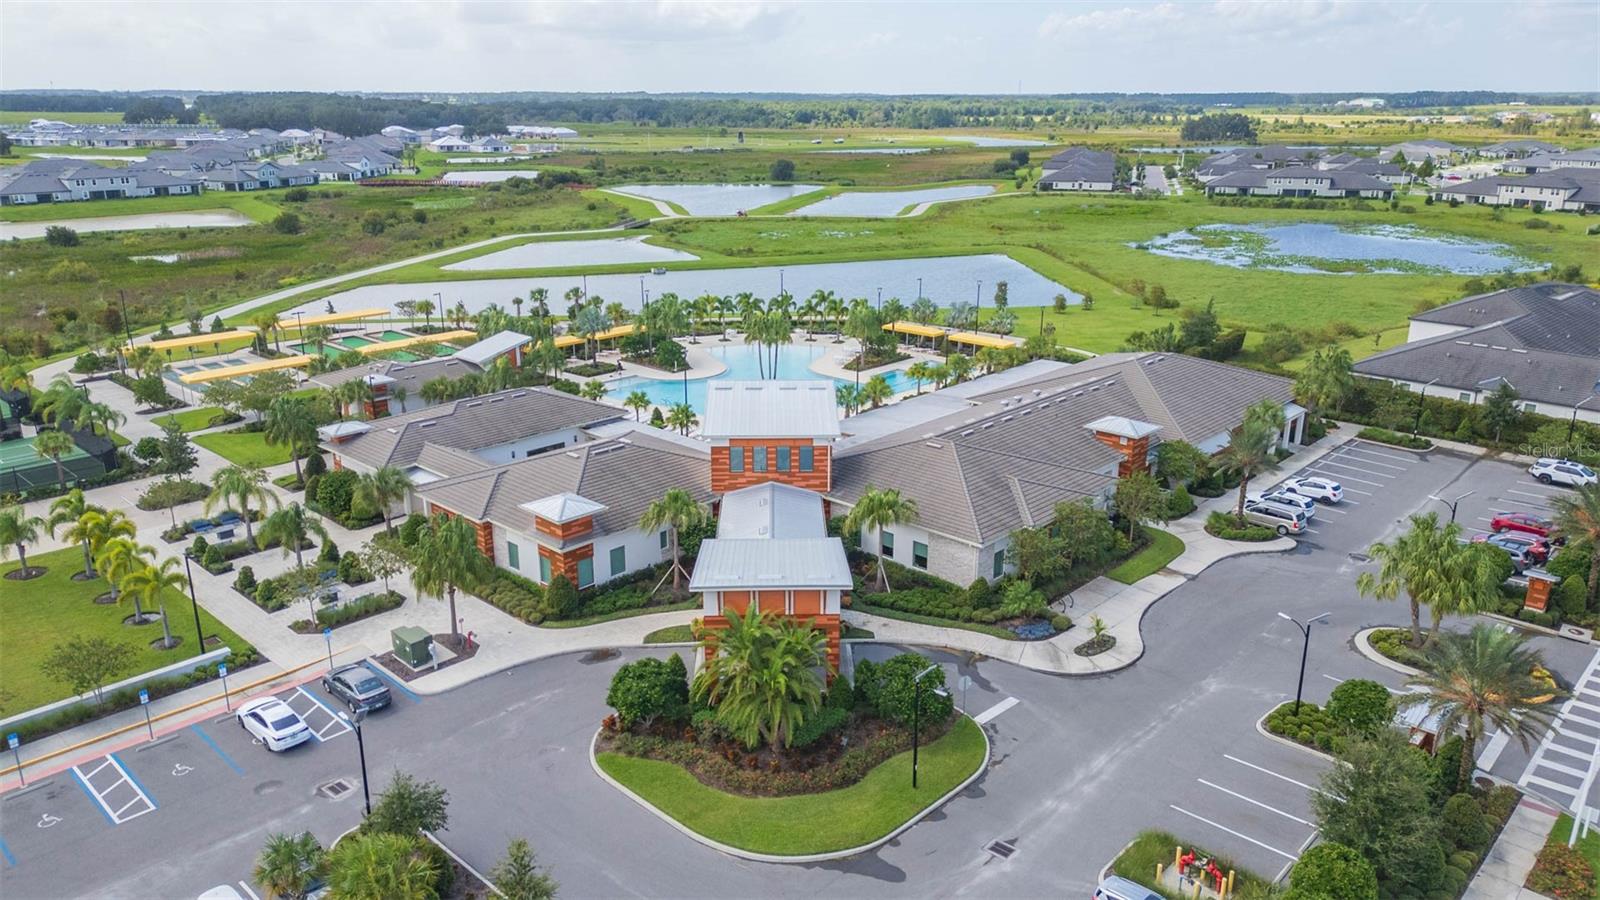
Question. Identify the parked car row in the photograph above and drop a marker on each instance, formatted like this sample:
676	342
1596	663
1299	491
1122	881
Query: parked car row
279	728
1289	507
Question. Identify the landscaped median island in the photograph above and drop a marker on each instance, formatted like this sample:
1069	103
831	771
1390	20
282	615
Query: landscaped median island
759	757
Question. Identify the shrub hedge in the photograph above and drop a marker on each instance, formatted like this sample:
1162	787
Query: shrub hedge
1313	727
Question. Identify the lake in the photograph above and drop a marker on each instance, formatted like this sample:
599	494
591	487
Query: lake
794	364
553	254
888	203
487	176
945	279
209	218
885	151
717	199
1309	248
980	140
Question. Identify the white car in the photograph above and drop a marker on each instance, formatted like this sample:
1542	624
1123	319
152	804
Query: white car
1324	489
1563	471
1285	498
274	722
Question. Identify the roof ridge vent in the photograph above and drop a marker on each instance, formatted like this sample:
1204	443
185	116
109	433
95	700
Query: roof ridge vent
935	445
520	394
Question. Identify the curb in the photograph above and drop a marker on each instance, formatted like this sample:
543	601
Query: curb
1106	869
1261	727
462	863
988	751
1365	649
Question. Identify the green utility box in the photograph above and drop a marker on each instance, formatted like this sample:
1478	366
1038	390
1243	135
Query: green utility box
412	645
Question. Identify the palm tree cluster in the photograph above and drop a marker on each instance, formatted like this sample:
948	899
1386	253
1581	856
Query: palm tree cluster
760	676
1435	569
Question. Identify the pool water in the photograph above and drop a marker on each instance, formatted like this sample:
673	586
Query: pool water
743	362
1314	248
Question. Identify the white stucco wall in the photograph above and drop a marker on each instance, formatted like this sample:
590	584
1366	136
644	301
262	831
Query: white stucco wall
1421	331
520	448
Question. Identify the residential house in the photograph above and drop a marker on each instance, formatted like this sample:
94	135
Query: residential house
1516	149
1588	158
1542	339
489	145
1418	150
449	144
1079	169
1267	156
1555	190
1301	181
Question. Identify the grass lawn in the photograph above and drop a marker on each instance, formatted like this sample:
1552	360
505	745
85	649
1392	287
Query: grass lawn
1163	548
45	610
622	614
190	419
672	634
1138	862
1588	845
810	823
251	204
245	448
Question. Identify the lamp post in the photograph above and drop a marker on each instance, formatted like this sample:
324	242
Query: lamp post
780	281
1573	422
916	715
977	310
919	288
1304	650
880	299
1422	400
361	748
1452	503
199	636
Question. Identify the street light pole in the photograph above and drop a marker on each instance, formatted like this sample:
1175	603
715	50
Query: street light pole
361	748
916	716
1452	503
1422	400
1573	422
1305	649
199	636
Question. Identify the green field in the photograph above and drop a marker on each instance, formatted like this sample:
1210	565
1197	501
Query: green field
1164	547
190	419
244	448
43	611
23	117
255	205
808	823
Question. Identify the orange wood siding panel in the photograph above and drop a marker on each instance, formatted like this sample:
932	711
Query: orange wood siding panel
808	603
1135	453
819	479
734	601
773	602
566	562
566	530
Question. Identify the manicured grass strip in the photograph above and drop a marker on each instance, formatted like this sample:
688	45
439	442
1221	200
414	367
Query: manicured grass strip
245	448
1138	862
45	611
190	419
622	614
809	823
1164	547
672	634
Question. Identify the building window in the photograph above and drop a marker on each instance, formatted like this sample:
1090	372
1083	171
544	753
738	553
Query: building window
585	572
544	570
758	458
512	555
919	555
619	561
808	459
663	539
999	563
1529	408
735	459
1464	396
888	544
783	459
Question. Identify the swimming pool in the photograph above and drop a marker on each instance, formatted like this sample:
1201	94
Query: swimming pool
794	361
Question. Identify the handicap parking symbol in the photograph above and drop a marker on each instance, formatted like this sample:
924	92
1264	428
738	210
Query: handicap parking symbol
47	820
180	770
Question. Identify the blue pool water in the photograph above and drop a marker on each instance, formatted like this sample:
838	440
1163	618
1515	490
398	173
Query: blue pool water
794	363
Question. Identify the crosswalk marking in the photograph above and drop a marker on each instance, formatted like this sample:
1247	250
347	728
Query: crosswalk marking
1542	770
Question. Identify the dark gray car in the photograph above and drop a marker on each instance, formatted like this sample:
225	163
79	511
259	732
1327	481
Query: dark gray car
357	687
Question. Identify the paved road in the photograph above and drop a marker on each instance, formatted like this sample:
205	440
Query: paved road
1079	766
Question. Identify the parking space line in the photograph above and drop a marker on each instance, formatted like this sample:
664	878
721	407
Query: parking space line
93	797
1289	856
394	683
322	734
1563	769
1550	785
96	770
1272	773
5	851
1529	494
213	744
1354	469
1347	489
1337	512
1255	802
247	890
1369	462
990	714
1575	754
1367	449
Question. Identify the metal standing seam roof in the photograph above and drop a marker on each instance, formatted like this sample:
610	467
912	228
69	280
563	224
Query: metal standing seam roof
772	511
748	409
564	507
386	346
756	564
282	362
285	322
193	340
410	374
480	352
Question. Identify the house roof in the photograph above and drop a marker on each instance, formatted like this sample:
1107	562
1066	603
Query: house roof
474	423
410	375
564	507
1338	179
771	536
771	510
1122	426
741	409
1080	164
1005	460
482	352
1583	185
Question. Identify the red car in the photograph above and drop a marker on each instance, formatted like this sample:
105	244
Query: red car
1528	523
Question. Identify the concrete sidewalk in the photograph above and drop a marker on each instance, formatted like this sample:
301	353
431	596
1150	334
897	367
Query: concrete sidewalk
1513	854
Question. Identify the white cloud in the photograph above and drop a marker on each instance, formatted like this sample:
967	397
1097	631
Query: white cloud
1098	23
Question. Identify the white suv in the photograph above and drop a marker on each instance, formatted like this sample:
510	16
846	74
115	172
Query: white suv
1324	489
1563	471
1285	498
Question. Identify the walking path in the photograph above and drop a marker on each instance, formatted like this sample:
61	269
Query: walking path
1513	854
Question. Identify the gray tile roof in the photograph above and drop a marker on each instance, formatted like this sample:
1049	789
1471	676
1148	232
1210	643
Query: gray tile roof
1079	164
473	423
1338	179
1004	462
626	474
1544	339
1583	184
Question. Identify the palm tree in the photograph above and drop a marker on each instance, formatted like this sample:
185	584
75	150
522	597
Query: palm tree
18	529
960	366
61	402
725	310
291	526
53	445
242	484
318	336
266	324
352	396
759	675
1577	518
383	488
681	416
399	395
289	422
99	418
378	866
98	526
675	511
877	510
426	308
638	401
68	510
150	583
448	558
1431	565
117	558
1248	453
1480	679
288	866
703	308
592	390
876	391
810	310
848	397
920	372
833	310
1326	382
590	322
938	374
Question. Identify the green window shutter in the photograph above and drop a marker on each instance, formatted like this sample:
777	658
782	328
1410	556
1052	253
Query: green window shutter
619	561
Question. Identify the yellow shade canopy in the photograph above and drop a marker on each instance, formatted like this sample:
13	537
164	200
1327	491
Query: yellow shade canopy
916	328
256	368
195	340
354	315
617	332
369	349
982	340
564	341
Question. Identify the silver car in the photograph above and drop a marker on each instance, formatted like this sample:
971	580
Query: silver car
1282	519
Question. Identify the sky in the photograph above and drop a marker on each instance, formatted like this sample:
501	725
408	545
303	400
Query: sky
803	47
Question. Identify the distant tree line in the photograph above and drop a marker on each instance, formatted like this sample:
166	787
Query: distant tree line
1219	127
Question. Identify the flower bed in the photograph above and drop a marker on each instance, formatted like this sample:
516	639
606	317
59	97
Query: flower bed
1312	728
1394	438
354	611
1096	645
